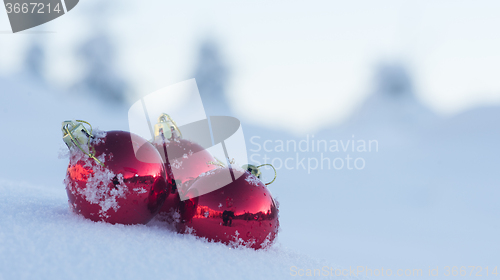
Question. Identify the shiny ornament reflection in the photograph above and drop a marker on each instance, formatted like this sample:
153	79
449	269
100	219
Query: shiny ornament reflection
184	161
240	213
116	187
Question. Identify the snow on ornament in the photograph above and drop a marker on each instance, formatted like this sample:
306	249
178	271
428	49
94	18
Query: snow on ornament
105	180
241	213
184	161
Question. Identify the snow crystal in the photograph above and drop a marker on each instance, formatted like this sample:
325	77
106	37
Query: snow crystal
237	167
210	172
140	190
253	180
176	164
276	201
97	190
63	151
238	242
176	215
99	136
75	155
159	141
267	241
189	230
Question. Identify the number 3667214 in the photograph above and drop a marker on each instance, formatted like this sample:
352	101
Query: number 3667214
32	8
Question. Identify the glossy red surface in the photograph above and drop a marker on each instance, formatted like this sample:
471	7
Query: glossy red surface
125	190
240	213
187	160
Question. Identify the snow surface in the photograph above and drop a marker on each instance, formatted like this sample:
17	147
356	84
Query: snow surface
41	239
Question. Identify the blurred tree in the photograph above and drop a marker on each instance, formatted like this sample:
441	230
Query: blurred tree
212	76
393	81
393	101
100	77
34	61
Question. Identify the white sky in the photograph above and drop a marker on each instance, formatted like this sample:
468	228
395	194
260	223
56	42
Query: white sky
307	63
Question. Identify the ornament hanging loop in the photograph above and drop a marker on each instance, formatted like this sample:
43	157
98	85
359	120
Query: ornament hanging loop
75	134
275	173
218	162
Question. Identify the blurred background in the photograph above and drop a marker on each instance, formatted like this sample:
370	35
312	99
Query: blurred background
421	78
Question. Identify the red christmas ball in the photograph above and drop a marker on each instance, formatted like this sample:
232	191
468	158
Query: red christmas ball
109	183
242	212
186	161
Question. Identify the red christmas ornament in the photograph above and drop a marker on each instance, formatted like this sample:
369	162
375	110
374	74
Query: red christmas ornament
105	181
239	213
186	161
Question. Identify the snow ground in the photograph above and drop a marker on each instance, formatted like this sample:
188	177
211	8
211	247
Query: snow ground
41	239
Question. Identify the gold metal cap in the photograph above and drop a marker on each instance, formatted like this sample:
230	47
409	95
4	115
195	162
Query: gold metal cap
255	170
166	127
75	134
